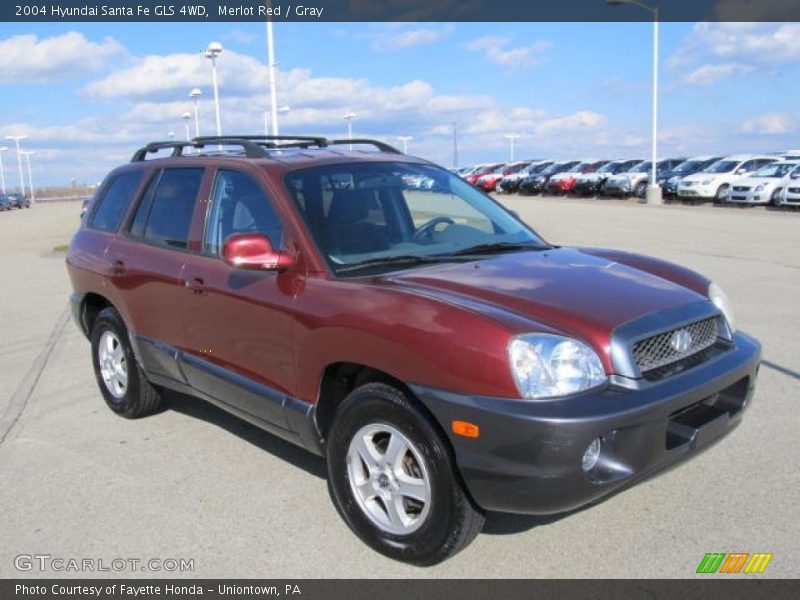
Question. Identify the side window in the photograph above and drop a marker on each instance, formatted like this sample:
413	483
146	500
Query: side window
170	216
239	205
764	162
111	207
143	210
748	166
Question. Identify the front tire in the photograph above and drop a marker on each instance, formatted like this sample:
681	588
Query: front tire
393	479
775	199
722	194
119	377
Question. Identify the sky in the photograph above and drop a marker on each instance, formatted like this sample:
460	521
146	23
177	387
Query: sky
88	94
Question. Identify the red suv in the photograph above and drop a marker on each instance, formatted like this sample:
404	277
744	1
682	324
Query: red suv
441	356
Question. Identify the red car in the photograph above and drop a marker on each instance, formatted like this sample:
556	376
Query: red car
442	357
488	182
473	177
564	183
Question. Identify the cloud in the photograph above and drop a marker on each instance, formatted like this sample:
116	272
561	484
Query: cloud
410	38
711	74
498	51
769	124
240	36
719	50
584	119
175	74
29	59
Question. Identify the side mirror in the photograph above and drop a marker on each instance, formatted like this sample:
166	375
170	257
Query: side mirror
795	175
740	171
254	251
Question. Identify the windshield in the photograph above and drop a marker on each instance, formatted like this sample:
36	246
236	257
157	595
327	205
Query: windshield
690	166
774	170
722	166
366	215
642	167
609	167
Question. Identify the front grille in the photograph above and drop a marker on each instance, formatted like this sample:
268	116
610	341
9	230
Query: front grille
794	190
741	188
674	345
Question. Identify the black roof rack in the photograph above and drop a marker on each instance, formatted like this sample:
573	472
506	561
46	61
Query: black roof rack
256	146
251	149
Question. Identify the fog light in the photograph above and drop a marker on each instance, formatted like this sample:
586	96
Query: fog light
591	456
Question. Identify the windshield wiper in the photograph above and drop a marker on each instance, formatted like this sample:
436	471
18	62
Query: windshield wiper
403	259
495	247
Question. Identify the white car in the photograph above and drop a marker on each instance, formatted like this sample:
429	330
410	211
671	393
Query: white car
764	186
791	190
715	180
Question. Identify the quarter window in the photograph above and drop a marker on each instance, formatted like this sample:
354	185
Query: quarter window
239	205
115	200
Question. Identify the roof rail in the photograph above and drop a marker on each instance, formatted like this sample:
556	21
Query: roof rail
251	149
256	146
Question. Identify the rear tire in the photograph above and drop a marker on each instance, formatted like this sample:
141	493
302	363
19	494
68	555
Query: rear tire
367	479
122	382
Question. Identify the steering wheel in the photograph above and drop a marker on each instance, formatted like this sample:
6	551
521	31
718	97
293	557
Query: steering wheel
426	230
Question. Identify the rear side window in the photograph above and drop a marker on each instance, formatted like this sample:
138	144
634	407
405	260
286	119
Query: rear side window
165	214
111	207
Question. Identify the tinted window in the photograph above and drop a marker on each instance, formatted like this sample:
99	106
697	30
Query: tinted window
239	205
140	218
112	205
172	207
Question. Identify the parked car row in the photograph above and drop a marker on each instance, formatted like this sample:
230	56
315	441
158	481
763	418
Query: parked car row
10	201
740	178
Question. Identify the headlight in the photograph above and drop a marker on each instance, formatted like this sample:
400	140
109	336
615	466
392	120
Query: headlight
707	182
546	366
720	300
759	188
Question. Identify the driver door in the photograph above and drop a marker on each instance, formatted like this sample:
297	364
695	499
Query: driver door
239	323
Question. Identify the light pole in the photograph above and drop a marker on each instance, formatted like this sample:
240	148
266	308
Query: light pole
282	109
653	190
455	144
349	118
2	170
27	155
186	118
212	52
405	139
195	96
170	135
273	92
511	137
16	139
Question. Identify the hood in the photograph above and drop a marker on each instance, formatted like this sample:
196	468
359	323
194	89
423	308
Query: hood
703	176
754	181
564	289
592	176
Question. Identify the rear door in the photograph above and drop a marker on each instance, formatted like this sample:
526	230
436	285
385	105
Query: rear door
240	323
146	263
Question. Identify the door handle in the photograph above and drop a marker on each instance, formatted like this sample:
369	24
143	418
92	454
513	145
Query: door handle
117	268
197	285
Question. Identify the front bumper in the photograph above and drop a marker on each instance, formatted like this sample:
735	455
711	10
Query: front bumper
588	188
613	188
791	197
696	191
527	458
749	196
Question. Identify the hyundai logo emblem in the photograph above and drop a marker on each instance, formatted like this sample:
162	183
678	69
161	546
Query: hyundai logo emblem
681	341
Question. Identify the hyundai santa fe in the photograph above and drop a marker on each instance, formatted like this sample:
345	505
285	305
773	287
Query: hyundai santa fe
442	357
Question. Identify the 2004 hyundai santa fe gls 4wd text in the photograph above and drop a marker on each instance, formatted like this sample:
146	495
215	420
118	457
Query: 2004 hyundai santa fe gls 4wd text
441	356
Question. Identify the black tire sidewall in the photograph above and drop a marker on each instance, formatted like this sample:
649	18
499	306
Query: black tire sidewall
109	320
382	404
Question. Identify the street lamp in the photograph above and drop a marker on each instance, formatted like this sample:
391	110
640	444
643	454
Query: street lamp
349	118
405	139
511	137
186	118
213	50
653	190
2	170
282	109
273	93
170	134
27	155
16	139
195	94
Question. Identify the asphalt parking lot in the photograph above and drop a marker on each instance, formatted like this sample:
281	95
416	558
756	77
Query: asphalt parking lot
191	482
